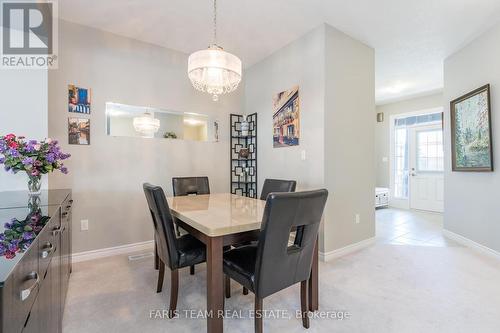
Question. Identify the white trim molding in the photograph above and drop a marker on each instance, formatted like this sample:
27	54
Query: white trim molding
148	246
328	256
113	251
471	244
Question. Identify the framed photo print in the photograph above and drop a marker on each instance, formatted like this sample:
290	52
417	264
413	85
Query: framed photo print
78	131
471	143
286	118
79	99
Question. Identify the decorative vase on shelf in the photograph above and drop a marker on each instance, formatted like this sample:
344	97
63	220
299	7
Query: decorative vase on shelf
245	126
34	185
244	153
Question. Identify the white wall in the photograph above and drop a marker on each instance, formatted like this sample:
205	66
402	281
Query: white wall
349	132
107	176
472	199
335	74
23	111
382	130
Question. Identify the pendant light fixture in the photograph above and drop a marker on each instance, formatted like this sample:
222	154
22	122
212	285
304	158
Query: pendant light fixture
146	125
214	71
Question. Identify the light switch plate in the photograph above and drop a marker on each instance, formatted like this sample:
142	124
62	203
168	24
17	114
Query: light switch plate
84	225
303	155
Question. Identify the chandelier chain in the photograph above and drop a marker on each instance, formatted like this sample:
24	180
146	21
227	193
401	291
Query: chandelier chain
215	22
214	71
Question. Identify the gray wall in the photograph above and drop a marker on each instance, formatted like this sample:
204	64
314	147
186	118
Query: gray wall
349	132
300	63
335	74
107	176
472	199
382	134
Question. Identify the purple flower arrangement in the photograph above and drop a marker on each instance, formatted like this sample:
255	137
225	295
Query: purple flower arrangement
32	156
19	234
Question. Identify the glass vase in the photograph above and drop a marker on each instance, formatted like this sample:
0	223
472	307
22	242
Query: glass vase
34	185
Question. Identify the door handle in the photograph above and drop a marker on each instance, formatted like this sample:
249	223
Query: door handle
25	293
56	231
47	250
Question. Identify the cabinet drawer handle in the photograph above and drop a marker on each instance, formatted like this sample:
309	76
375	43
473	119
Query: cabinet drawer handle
71	201
25	293
48	249
56	231
64	214
68	207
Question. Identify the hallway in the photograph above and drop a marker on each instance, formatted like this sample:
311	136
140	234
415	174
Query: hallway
410	227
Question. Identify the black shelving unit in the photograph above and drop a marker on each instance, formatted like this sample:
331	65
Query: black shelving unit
243	170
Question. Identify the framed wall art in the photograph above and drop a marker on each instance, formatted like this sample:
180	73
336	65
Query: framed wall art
286	118
79	131
79	99
471	142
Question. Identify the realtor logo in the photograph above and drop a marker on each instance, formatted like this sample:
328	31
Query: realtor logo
28	34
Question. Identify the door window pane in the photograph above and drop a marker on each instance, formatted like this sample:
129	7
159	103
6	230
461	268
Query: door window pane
401	163
430	150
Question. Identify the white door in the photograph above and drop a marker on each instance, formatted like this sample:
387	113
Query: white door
426	168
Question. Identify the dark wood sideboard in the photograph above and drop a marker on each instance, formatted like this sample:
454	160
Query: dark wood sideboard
35	260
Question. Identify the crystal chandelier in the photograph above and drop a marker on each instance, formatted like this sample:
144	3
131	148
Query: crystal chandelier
146	125
214	70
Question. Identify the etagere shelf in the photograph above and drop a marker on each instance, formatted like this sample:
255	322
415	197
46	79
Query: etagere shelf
243	168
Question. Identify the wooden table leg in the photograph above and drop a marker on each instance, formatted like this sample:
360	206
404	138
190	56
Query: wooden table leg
314	281
215	285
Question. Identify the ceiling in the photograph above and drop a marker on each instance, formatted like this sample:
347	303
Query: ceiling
411	38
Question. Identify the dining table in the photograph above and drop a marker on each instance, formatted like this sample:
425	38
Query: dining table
220	220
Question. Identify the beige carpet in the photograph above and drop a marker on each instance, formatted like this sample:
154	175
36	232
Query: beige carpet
385	288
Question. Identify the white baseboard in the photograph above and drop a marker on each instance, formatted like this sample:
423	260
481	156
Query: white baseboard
148	246
470	243
113	251
327	256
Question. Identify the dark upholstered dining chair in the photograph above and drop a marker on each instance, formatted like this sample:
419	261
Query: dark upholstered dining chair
272	264
172	251
277	185
270	186
190	185
183	186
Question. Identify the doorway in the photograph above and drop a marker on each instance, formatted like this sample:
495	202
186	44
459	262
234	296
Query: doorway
417	161
427	170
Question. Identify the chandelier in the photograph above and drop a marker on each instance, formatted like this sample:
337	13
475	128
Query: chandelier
214	71
146	125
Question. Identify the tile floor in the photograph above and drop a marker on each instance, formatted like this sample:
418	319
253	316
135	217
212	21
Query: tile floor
409	227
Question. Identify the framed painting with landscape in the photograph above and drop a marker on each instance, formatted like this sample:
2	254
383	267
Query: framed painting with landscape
471	143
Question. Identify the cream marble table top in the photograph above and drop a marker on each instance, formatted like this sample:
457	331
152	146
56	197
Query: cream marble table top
218	214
